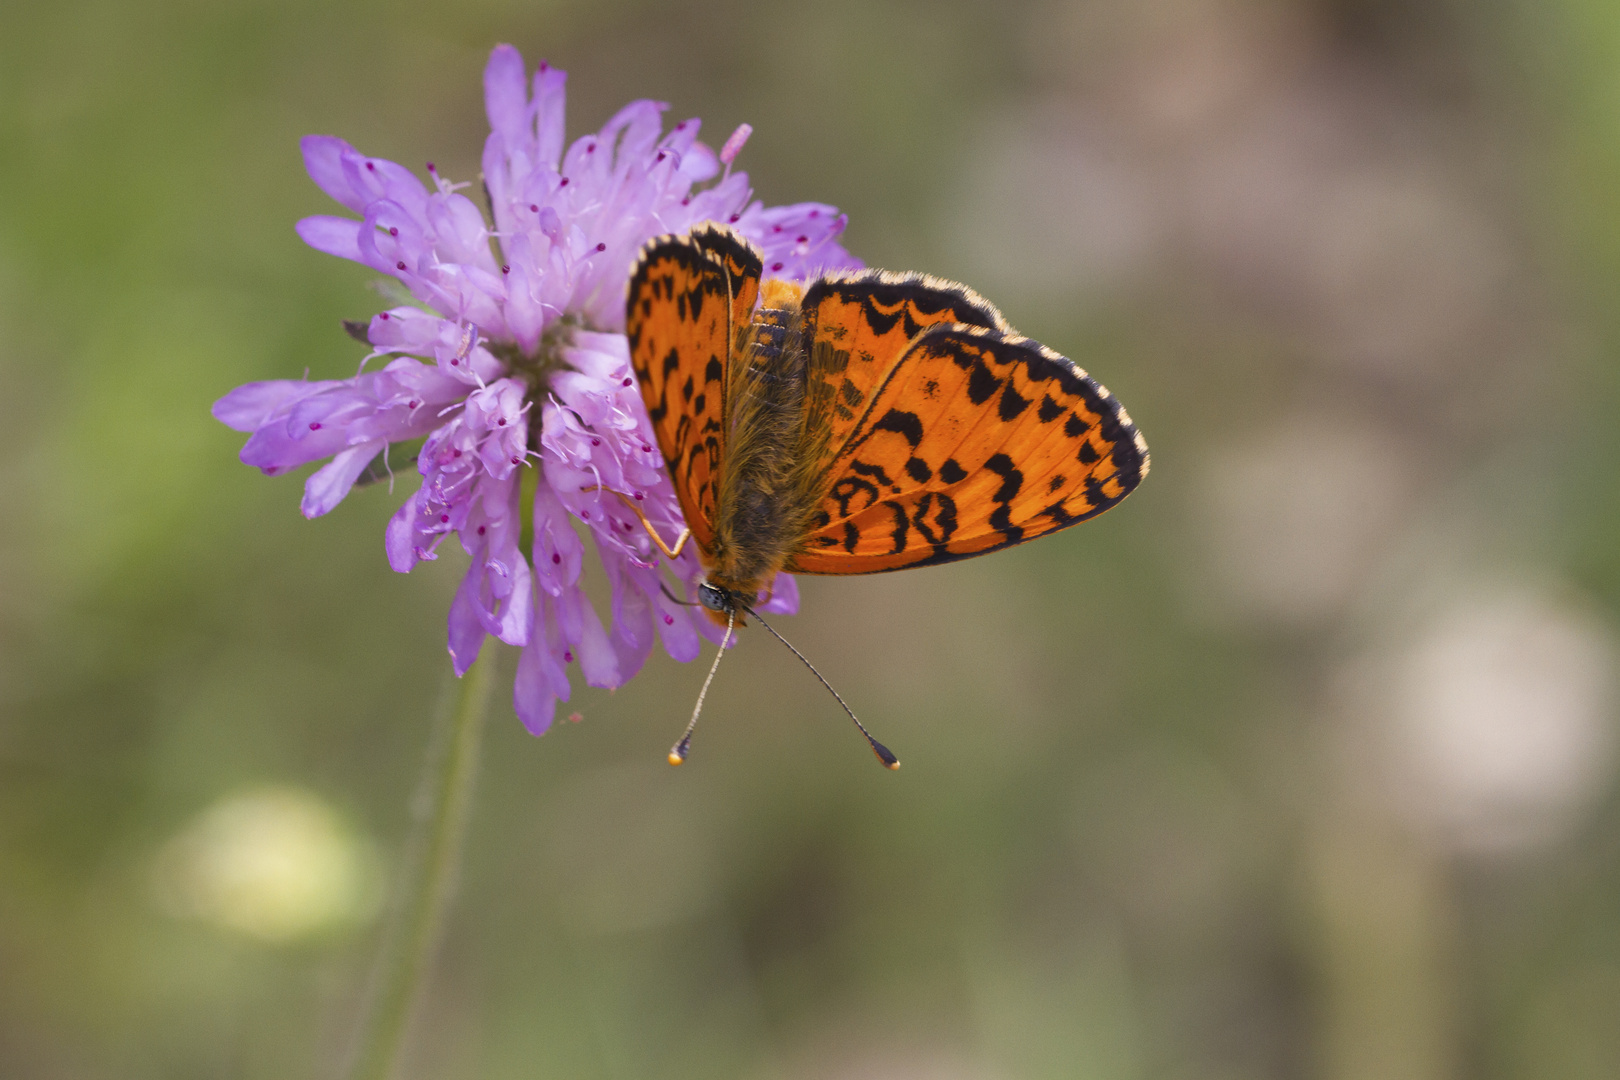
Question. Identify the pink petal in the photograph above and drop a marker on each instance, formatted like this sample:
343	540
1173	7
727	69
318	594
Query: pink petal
505	98
466	635
327	486
550	98
323	159
533	698
784	593
400	539
248	407
332	235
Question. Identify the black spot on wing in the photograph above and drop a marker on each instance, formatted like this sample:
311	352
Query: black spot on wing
1040	366
919	471
713	372
951	472
905	423
1011	478
1012	403
902	526
875	472
935	518
1049	410
847	488
981	384
1074	426
1087	454
1060	514
1098	497
1011	481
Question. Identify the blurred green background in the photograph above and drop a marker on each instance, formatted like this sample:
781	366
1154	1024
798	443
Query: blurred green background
1300	764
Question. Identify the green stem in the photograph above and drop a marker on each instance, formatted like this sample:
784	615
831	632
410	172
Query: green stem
441	810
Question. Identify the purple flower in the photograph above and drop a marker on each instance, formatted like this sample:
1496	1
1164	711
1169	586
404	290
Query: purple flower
512	370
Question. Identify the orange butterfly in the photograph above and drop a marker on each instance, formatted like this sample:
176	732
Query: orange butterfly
869	421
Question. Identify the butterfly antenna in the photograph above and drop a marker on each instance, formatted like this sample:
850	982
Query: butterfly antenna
678	752
882	752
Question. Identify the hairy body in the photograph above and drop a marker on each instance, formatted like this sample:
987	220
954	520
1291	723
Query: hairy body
762	504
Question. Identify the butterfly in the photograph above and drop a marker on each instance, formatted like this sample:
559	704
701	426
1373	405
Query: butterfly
864	422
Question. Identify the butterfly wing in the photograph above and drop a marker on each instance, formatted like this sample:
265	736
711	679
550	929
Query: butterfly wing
688	300
976	440
859	325
743	267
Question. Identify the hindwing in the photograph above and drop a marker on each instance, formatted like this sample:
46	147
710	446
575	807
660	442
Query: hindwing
975	440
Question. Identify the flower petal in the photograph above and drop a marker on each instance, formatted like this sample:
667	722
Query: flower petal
327	486
399	541
784	596
506	99
333	235
250	405
533	696
323	160
542	677
466	635
550	98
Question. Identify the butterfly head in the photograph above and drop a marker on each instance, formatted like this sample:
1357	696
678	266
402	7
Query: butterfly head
716	598
726	604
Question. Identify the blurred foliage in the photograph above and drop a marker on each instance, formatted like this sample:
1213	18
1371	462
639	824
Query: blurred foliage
1353	265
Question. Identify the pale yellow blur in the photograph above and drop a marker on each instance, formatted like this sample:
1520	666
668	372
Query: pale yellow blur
272	863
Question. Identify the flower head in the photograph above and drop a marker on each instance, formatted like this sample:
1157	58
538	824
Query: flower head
511	367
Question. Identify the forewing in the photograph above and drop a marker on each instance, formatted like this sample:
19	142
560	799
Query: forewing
684	297
976	441
743	268
859	325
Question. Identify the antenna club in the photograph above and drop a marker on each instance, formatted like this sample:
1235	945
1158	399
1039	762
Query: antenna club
676	758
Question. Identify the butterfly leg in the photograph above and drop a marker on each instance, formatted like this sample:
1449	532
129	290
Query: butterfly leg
669	552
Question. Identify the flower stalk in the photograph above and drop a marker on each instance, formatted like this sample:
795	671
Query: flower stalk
441	809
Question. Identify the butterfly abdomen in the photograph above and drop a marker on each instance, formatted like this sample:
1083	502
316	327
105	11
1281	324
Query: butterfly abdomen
759	513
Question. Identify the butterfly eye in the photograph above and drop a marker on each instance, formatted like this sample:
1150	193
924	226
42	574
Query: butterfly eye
712	598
